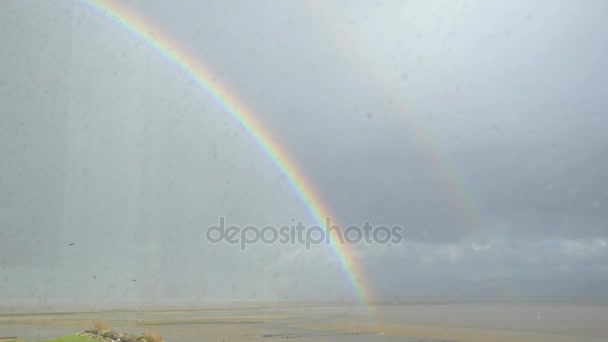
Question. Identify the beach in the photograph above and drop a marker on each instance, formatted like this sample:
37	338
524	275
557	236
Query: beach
519	320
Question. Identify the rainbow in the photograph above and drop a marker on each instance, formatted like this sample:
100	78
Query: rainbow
194	70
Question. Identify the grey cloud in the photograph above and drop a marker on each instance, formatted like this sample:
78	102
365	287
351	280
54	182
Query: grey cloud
420	114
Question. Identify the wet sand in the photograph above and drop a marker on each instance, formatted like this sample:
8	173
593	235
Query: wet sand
514	320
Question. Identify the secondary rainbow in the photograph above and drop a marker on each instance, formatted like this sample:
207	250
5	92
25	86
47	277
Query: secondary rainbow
193	69
381	77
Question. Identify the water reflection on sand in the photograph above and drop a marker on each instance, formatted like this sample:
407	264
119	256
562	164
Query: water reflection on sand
554	320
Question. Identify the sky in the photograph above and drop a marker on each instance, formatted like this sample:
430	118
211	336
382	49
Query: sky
479	127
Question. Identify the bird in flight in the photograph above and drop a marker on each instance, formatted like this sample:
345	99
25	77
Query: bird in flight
72	244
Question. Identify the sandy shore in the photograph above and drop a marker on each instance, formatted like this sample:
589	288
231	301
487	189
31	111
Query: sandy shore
441	333
474	321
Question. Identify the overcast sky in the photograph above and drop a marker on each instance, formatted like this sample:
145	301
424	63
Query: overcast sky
480	127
